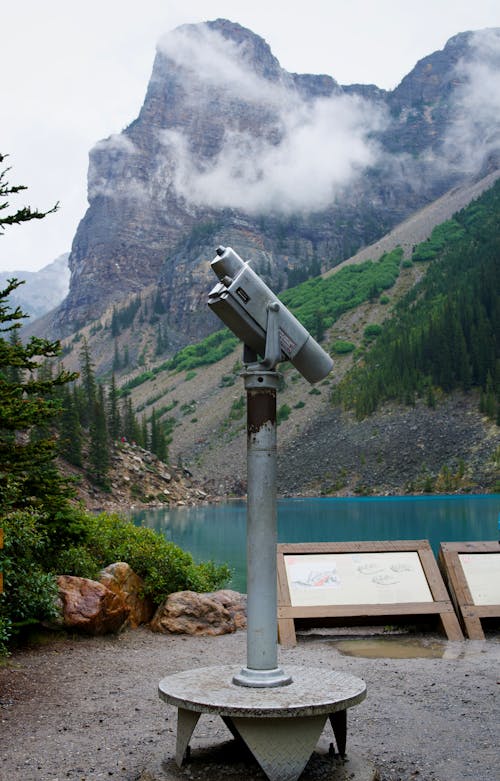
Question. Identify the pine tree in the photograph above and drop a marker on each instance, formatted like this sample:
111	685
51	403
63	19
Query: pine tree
130	427
27	402
144	433
28	407
115	326
117	364
70	430
88	386
113	410
99	456
25	214
158	444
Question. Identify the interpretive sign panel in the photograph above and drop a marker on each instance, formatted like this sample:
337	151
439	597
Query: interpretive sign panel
356	578
318	581
472	572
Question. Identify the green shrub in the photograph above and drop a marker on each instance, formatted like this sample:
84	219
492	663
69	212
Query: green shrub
448	231
30	591
237	408
5	633
30	561
283	413
346	289
210	350
227	380
341	347
372	331
162	564
76	560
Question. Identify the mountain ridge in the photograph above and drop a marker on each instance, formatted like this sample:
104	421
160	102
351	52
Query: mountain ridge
43	290
148	185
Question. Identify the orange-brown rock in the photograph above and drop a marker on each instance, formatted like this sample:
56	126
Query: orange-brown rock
90	607
122	580
214	613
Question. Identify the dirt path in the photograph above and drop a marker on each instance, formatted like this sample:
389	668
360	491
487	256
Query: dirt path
87	709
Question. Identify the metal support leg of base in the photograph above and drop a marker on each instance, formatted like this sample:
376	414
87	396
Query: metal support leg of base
338	720
186	722
282	747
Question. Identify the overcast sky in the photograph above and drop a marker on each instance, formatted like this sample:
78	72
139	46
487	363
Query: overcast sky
74	73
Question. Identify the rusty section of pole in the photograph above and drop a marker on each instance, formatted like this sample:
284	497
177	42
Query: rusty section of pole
262	622
261	409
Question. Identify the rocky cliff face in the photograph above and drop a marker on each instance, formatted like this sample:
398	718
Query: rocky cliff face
295	171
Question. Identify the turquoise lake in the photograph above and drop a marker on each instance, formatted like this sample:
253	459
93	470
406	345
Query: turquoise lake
218	532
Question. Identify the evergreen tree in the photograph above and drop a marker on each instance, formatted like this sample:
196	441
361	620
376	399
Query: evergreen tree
158	305
70	430
130	427
117	364
28	407
113	410
28	403
99	456
25	214
161	339
445	330
144	433
88	386
158	444
115	327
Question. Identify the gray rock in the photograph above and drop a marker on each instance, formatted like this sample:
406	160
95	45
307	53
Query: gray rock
215	613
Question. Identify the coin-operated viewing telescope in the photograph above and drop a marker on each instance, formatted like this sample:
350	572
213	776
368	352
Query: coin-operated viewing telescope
267	329
243	301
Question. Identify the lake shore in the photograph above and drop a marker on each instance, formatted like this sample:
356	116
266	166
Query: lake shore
87	708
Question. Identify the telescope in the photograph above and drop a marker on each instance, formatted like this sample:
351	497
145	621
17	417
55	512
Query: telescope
243	301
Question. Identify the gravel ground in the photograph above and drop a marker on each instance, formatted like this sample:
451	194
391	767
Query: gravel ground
87	708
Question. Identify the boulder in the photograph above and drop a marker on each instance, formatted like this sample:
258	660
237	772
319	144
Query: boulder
90	607
214	613
122	580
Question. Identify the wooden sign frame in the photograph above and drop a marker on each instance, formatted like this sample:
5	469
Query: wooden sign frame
439	605
458	586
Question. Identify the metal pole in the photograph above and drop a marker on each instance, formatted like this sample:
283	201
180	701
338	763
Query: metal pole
262	623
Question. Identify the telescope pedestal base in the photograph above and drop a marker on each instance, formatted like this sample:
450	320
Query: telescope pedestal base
280	725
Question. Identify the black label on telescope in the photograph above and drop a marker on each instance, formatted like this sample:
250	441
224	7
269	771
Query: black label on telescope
243	295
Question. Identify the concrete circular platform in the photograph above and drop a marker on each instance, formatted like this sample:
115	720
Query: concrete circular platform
280	725
312	692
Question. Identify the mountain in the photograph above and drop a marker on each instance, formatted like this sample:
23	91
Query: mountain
444	439
448	445
306	178
43	290
295	171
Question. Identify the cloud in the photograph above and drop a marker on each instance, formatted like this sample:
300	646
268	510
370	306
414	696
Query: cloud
322	148
115	152
297	160
210	59
475	131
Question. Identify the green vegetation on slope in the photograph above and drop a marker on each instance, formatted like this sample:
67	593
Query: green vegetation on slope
210	350
445	332
317	303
